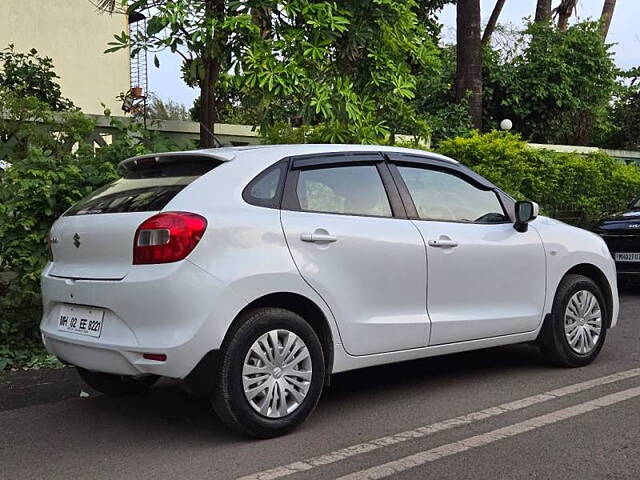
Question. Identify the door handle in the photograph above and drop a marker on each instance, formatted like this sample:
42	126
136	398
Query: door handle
443	243
318	238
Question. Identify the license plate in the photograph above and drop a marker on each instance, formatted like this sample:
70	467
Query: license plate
81	320
627	257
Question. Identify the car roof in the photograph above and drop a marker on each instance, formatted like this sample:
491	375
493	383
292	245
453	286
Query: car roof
270	153
281	151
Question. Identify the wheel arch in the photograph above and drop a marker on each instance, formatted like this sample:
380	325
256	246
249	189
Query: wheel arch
302	306
594	273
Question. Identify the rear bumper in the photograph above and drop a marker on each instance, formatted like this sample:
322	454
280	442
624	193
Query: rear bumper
175	309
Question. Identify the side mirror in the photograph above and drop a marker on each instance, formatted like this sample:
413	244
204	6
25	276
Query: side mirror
525	212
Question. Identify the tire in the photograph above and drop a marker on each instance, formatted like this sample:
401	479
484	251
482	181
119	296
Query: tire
239	363
117	385
555	342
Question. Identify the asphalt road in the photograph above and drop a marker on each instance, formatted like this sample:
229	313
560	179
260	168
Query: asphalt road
433	418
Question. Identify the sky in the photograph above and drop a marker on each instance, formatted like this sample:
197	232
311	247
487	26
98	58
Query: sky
624	32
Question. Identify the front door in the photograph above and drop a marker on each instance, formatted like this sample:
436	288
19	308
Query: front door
485	278
368	266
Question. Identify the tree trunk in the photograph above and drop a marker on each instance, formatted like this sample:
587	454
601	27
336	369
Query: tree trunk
564	11
262	17
469	58
605	19
493	20
208	106
212	64
543	11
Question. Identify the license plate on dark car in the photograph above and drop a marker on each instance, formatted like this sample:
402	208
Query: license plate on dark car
627	256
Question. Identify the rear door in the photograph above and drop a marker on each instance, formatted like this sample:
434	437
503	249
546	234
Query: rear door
94	238
350	242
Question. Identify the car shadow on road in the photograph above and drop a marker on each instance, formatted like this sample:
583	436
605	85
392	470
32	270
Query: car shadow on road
434	371
169	412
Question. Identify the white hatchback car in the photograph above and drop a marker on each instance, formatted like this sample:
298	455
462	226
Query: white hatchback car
255	273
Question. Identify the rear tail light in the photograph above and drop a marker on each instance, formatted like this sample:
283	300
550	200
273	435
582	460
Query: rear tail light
167	237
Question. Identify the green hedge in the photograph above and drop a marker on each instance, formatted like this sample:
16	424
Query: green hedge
579	188
53	165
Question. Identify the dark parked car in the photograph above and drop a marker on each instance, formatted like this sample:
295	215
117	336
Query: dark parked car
621	232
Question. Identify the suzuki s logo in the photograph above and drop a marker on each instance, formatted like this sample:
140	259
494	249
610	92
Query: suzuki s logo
76	240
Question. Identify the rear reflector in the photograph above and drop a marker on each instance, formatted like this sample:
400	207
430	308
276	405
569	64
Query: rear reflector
158	357
167	237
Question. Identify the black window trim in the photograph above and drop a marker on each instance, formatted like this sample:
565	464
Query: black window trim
400	200
331	159
290	199
458	170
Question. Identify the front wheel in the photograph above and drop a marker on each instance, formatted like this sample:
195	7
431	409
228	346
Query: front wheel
574	333
117	385
271	374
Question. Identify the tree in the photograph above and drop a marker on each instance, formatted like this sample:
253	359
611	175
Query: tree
606	16
159	109
555	85
351	65
209	35
469	58
30	75
625	113
543	11
493	20
564	11
427	11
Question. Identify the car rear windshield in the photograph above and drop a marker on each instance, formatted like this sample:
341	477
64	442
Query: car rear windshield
142	190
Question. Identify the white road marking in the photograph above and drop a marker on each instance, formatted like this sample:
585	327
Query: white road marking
365	447
426	456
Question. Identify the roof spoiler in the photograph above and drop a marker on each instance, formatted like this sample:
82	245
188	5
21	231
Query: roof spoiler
144	162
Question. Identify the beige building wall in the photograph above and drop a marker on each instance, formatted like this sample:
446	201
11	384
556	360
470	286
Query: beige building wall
75	36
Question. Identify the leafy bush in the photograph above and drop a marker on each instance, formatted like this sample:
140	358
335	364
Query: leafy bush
589	184
52	164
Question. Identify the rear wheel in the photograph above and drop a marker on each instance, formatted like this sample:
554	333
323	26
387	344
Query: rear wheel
117	385
271	374
574	333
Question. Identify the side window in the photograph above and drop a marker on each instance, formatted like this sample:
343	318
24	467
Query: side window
265	189
439	195
355	190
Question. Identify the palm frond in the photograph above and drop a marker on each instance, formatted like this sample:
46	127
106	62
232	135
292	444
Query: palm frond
110	6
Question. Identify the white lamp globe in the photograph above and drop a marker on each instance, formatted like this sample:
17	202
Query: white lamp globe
506	124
